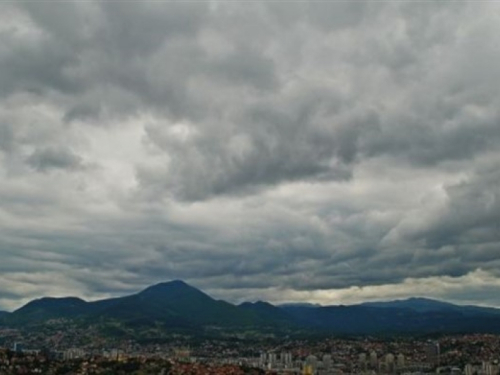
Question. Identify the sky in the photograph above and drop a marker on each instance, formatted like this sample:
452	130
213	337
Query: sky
291	151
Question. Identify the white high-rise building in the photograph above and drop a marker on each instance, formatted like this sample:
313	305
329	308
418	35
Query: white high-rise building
488	368
286	358
373	359
327	361
262	359
362	361
400	361
390	363
273	359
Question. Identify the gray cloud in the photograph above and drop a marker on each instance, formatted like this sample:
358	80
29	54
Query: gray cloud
50	158
330	151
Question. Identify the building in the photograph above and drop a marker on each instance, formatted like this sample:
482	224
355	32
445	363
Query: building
311	363
373	360
362	363
390	363
487	368
18	347
432	353
469	369
327	361
400	361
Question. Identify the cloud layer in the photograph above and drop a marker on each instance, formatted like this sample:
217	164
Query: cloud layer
330	152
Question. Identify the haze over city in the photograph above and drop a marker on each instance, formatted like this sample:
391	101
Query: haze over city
321	152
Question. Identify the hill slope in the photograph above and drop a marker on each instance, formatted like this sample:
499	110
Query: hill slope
270	313
47	308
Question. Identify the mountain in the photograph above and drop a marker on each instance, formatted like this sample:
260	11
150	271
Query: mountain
415	303
175	305
427	305
170	305
267	312
47	308
415	315
299	304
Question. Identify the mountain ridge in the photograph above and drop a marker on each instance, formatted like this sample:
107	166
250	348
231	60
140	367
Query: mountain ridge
178	305
171	304
178	283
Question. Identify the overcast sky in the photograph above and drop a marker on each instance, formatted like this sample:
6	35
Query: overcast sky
330	152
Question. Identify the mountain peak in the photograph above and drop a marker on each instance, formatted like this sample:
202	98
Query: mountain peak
422	299
177	282
171	287
172	284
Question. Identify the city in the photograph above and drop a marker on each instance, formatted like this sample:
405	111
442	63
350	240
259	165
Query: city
476	354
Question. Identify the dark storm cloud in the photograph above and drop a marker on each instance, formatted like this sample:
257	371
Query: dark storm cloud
468	226
245	66
49	158
6	138
279	150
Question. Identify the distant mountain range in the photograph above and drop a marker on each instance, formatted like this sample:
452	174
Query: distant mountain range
177	305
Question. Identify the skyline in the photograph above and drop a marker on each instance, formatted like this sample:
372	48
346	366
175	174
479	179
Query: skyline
323	152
